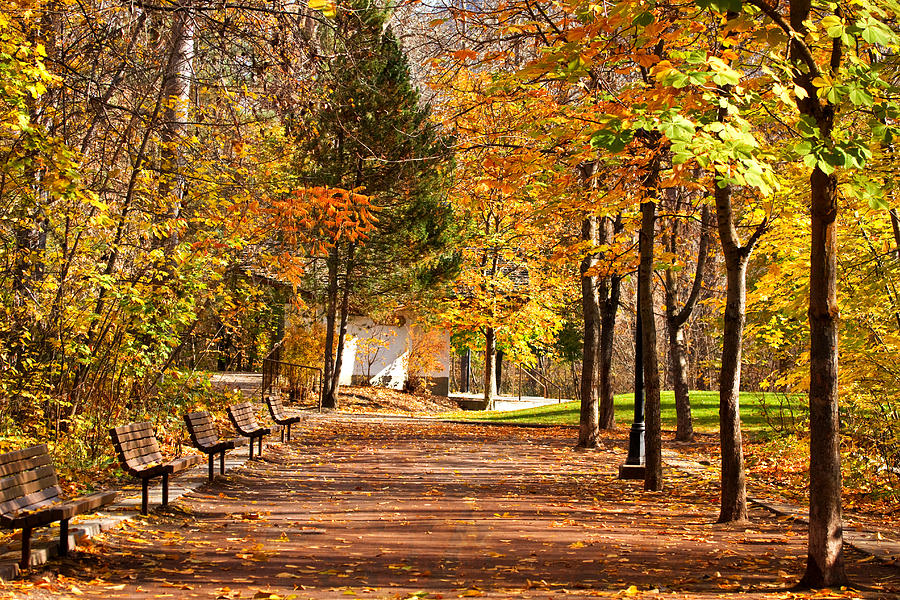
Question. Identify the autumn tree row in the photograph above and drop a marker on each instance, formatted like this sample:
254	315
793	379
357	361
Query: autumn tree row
173	173
738	116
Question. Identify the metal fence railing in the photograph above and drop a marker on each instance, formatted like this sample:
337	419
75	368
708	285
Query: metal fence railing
297	384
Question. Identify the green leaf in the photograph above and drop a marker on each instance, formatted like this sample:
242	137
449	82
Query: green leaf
644	19
680	158
833	25
808	127
803	148
825	166
876	32
878	203
679	128
860	97
722	6
727	78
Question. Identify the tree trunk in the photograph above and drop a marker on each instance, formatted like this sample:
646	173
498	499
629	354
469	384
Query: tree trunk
328	371
678	367
825	553
589	425
610	294
675	322
498	371
490	351
825	560
733	506
176	91
342	329
465	369
653	477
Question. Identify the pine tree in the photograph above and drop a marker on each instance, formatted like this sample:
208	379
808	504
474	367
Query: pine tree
371	132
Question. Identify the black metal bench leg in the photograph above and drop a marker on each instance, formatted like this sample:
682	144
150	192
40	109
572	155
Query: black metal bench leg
26	548
222	463
145	494
211	466
260	446
288	432
63	537
165	490
282	433
251	448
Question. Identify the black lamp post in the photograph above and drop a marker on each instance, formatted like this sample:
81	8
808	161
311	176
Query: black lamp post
634	464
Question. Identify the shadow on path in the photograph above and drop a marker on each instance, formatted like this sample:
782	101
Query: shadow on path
356	509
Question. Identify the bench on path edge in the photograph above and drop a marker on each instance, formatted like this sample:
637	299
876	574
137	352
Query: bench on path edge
205	438
30	497
276	409
243	417
139	454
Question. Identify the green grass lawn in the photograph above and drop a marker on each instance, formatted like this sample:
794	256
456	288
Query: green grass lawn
704	406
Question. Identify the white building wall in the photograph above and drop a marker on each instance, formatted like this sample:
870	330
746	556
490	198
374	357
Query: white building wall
379	354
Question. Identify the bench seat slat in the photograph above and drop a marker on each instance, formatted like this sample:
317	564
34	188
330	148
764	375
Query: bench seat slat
139	456
35	510
84	504
141	428
23	454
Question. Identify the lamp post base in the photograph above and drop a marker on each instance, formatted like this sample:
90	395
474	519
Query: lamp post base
627	471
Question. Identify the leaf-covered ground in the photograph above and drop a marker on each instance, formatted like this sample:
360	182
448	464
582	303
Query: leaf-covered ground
369	399
382	508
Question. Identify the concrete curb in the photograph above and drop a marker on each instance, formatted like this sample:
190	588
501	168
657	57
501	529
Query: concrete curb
872	543
126	508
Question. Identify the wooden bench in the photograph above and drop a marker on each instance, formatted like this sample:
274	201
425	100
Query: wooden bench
243	417
276	409
205	438
139	454
30	497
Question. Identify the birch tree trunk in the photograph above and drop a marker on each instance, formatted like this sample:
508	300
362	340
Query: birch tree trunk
176	93
589	430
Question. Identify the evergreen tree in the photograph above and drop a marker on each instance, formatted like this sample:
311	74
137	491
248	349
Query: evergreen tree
371	132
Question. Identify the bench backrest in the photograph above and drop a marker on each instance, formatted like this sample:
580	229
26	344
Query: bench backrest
27	480
276	407
243	417
201	428
136	446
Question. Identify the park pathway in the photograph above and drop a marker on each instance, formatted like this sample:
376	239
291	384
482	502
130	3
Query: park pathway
403	509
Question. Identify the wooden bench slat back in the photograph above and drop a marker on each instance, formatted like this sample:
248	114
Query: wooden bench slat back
27	479
277	408
136	444
201	428
30	502
9	485
11	462
243	416
136	435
